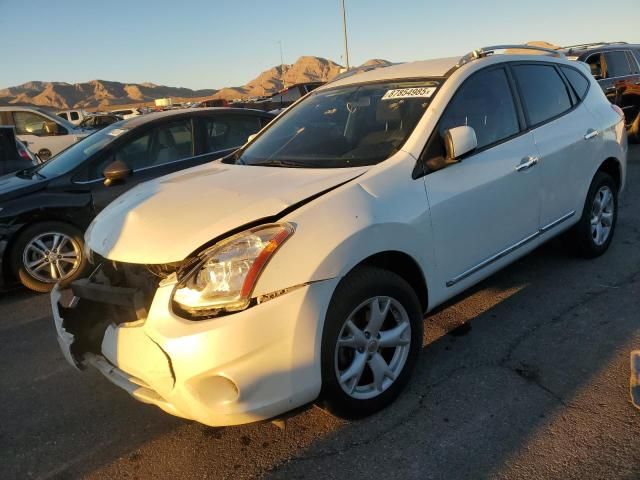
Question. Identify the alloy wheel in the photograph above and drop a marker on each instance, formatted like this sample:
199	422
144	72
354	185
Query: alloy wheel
52	256
602	212
372	347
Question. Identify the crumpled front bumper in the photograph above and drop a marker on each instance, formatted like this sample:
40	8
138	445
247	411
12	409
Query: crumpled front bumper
239	368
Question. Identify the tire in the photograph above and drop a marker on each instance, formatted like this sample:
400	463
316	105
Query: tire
35	261
355	296
584	240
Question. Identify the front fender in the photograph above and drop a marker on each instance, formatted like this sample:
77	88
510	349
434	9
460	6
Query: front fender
341	229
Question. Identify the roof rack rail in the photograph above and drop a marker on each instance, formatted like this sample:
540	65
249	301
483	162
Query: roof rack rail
593	44
486	51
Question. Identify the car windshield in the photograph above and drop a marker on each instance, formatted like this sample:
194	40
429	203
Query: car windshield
77	153
343	127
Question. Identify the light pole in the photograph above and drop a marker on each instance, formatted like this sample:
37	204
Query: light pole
346	42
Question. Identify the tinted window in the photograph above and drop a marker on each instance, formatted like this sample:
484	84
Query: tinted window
164	144
74	115
543	92
617	64
636	52
485	103
63	115
579	84
229	131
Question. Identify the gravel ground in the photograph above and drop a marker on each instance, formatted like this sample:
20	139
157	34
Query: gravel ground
525	376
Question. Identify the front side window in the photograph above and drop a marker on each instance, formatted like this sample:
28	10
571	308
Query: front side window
229	131
343	127
485	103
63	115
543	91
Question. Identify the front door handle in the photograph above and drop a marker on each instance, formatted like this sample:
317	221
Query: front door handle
591	133
610	89
527	163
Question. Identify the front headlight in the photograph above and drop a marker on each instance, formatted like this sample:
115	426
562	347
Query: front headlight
224	278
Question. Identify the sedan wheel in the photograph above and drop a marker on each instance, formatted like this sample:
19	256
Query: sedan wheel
47	253
52	256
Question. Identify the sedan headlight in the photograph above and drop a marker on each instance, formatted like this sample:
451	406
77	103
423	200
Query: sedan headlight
226	274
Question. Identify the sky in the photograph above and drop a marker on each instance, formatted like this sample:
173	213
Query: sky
218	43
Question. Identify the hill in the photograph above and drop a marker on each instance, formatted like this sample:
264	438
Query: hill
102	94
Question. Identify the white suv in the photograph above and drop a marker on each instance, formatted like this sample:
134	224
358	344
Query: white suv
301	267
44	133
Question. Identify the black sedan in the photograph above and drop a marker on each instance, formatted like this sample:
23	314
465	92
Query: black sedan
45	209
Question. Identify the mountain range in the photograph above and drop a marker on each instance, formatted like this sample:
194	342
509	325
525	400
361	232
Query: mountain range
103	94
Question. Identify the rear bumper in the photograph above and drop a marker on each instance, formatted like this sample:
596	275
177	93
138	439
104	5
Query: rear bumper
240	368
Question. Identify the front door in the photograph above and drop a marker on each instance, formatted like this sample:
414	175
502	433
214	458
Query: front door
485	206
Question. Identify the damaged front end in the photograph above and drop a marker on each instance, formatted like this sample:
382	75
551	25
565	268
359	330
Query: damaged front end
100	322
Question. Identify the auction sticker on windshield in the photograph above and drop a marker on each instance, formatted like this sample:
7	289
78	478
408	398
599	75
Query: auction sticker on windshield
116	131
417	92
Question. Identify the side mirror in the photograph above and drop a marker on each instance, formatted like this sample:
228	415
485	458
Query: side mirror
115	172
460	140
251	137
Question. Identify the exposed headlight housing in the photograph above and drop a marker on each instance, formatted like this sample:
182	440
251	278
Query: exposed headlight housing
224	278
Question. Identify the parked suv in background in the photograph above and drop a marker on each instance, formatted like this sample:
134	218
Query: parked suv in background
44	133
45	209
616	67
127	113
302	265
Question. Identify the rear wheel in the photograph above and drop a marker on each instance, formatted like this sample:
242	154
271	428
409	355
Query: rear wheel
593	234
47	253
371	341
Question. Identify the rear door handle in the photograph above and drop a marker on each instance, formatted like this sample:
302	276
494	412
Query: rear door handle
610	89
527	163
591	133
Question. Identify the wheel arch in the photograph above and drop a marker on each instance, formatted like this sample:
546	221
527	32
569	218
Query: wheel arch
613	167
405	266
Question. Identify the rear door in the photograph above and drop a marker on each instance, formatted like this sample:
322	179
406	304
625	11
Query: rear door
487	205
563	131
620	71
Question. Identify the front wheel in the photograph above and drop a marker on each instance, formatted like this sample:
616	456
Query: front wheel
47	253
592	235
371	341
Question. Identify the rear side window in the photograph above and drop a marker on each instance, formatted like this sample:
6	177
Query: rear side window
74	116
229	131
579	84
485	103
636	52
544	94
617	64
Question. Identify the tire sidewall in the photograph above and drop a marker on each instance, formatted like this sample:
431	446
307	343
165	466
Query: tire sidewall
16	254
354	289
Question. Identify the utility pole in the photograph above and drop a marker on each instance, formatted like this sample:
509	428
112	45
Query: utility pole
284	84
346	43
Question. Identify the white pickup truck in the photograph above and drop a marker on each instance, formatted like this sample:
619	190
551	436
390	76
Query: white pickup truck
43	132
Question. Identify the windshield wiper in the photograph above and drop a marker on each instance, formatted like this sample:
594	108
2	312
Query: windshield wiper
280	163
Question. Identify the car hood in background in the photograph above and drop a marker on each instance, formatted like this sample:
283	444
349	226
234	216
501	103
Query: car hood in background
165	220
13	186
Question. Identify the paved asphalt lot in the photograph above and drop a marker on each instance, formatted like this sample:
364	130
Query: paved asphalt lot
526	376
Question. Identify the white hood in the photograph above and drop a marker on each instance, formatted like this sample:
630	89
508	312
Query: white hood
166	219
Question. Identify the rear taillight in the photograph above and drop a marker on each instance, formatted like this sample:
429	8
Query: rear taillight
24	154
618	110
